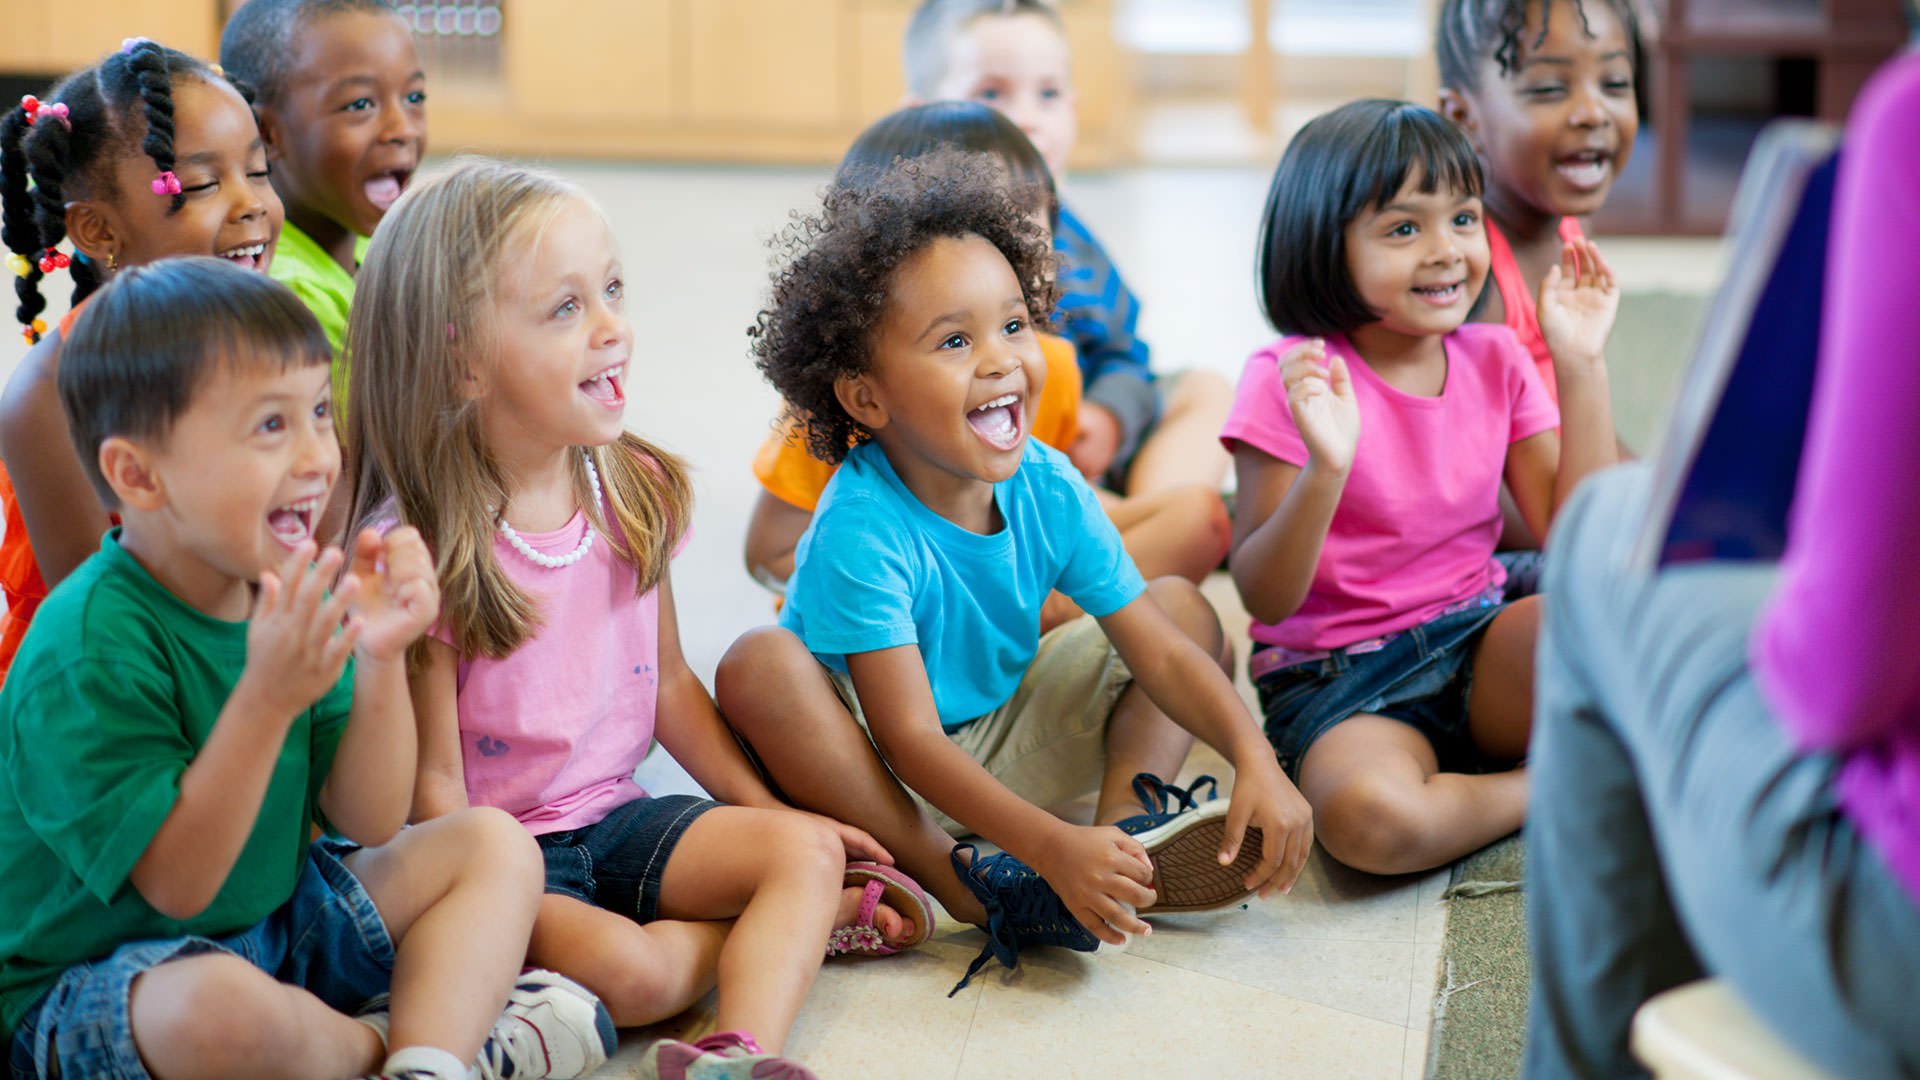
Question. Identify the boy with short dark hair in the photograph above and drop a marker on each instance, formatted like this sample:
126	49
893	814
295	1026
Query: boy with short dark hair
1139	433
170	733
341	100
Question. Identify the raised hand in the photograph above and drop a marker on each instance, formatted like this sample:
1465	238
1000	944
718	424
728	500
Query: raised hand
396	592
1320	396
299	637
1578	301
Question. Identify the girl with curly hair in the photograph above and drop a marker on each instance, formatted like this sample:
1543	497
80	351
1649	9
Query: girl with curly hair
908	686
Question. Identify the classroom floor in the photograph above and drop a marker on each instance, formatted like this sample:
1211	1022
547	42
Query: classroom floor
1334	980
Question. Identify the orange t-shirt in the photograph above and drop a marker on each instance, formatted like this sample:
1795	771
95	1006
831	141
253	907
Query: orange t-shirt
785	468
19	573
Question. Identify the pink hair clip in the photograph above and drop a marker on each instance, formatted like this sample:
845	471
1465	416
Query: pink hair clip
166	184
38	112
127	44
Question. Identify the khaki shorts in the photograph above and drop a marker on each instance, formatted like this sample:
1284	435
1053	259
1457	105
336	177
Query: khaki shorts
1048	742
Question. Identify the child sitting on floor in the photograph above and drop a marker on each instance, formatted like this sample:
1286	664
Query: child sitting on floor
341	98
172	731
495	426
1180	531
909	673
1139	433
1371	444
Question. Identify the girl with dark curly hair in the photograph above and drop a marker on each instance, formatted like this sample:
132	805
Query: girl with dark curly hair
908	686
146	154
1179	530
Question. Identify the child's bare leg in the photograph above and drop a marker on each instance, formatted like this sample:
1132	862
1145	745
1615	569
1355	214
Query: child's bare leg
1181	531
458	894
1184	447
641	973
778	874
772	691
1500	707
214	1015
1142	738
1381	804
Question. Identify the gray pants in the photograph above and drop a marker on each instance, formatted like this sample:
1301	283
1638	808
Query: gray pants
1674	831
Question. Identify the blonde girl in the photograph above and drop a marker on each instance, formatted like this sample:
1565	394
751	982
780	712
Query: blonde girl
491	359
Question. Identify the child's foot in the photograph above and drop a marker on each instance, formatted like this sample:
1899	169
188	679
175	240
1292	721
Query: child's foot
552	1027
882	911
1022	909
1182	836
726	1055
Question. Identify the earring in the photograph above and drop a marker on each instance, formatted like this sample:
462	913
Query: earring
111	265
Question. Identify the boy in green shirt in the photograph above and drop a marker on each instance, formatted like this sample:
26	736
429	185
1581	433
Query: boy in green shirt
170	732
341	99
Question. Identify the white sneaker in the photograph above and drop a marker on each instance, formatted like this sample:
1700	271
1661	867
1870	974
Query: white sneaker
552	1027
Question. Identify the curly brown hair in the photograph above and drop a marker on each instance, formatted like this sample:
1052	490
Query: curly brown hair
837	266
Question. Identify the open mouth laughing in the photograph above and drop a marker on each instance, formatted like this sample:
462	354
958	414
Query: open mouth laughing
998	422
605	387
384	189
250	255
293	523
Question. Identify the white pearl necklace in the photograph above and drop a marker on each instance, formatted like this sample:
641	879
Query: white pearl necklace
555	562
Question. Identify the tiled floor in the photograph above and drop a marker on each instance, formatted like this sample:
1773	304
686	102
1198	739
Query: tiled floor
1331	981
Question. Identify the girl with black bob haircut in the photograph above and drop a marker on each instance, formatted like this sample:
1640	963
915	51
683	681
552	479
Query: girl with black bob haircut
148	153
1370	444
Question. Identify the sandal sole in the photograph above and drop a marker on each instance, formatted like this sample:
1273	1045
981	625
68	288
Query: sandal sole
1187	874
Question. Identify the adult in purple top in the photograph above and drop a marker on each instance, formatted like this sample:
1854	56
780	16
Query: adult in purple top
1727	756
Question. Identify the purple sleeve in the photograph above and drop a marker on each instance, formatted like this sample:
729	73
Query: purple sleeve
1260	416
1834	648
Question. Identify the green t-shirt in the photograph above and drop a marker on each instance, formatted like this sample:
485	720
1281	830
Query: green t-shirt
326	289
115	689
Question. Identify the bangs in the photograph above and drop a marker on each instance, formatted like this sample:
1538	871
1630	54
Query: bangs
1411	143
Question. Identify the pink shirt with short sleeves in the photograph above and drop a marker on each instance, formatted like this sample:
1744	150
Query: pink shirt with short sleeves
1418	520
552	733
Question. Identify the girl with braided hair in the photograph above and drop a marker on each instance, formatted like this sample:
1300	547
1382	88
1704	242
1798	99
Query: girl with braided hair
146	154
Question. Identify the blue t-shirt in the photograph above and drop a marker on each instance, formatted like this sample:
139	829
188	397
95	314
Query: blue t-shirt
878	569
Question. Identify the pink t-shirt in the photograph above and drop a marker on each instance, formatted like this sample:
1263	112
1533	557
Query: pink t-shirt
552	733
1417	522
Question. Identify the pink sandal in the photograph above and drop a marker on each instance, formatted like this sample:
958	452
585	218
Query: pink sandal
897	889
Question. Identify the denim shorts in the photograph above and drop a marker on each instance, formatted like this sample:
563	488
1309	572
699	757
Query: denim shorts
618	862
1524	569
1421	677
328	937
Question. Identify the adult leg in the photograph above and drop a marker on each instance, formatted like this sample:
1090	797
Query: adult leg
1183	447
773	693
1770	884
642	973
458	895
213	1015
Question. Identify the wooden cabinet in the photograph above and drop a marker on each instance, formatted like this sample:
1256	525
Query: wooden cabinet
53	37
789	81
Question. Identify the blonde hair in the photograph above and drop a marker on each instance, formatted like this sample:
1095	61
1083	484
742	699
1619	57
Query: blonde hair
417	333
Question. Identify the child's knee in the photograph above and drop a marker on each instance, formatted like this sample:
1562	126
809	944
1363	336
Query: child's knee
806	845
1369	824
1192	613
763	657
1210	530
493	842
210	1010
